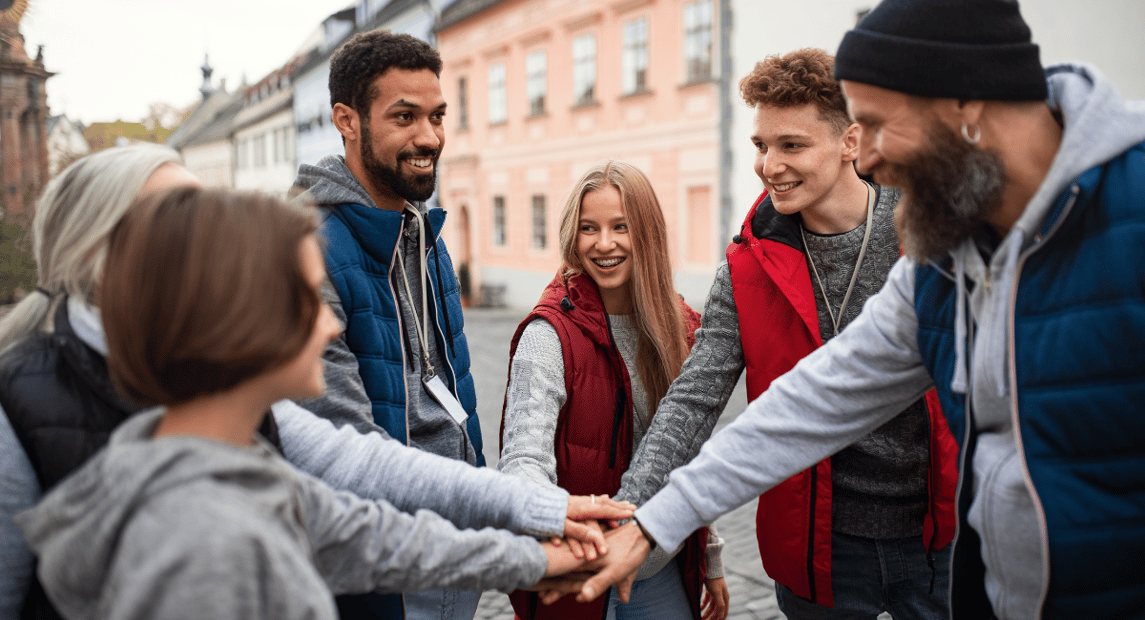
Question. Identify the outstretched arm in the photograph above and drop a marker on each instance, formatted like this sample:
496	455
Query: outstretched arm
533	402
378	467
361	545
688	412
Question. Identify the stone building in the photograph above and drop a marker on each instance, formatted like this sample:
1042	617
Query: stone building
23	117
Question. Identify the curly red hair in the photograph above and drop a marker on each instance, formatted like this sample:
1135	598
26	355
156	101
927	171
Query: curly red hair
798	78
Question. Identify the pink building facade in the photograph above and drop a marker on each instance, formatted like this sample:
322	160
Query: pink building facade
539	90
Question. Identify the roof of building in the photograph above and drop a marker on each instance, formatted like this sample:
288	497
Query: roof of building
461	10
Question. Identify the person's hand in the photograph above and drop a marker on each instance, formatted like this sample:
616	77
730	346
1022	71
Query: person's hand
588	550
593	508
629	549
714	605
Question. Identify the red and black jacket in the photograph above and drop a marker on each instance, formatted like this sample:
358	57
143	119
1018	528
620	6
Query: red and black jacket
770	278
593	442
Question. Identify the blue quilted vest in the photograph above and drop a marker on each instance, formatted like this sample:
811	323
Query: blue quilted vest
360	244
1079	356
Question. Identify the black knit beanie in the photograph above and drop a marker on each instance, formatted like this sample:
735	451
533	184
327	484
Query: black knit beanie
965	49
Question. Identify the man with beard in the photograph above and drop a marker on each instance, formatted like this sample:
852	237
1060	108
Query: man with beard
815	245
401	366
1020	300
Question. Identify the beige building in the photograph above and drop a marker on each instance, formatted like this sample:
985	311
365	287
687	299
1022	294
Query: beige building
539	90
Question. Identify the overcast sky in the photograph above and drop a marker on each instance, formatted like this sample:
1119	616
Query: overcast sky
113	58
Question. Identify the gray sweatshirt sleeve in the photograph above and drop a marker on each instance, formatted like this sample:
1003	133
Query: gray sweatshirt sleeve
842	391
688	412
19	490
344	402
360	545
374	466
535	396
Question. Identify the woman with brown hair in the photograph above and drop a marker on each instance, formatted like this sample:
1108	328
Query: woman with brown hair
588	367
212	313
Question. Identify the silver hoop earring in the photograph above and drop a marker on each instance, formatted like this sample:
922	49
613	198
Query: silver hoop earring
969	138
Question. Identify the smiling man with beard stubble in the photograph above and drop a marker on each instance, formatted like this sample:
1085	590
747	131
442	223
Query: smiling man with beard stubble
402	365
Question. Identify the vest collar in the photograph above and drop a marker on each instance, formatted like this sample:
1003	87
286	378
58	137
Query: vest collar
377	230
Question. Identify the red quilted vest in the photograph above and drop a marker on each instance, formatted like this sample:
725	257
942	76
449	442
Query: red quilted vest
793	522
593	442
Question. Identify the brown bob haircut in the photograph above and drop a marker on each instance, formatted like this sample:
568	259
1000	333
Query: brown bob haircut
202	290
795	79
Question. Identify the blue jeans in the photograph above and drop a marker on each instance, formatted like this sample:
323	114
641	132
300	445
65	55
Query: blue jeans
441	604
659	597
870	576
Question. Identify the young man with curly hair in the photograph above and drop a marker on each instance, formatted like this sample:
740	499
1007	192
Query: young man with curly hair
402	365
868	529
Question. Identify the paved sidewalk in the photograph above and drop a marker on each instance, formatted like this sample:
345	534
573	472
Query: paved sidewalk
489	333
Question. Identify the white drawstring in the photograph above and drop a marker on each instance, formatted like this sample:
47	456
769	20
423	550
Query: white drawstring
958	383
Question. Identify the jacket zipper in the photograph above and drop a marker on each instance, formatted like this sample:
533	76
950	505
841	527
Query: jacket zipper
621	399
1039	509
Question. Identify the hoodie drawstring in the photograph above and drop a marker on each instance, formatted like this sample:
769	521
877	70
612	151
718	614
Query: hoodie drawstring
440	286
958	383
999	335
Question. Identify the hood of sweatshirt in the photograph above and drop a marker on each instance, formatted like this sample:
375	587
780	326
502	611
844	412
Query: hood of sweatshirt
75	531
1099	125
330	182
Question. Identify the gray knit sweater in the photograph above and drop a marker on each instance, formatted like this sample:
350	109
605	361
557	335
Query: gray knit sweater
536	395
879	482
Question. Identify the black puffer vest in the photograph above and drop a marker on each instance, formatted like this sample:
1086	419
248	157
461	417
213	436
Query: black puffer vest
58	395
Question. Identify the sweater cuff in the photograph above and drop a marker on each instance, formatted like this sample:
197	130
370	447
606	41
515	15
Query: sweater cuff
669	517
545	513
715	566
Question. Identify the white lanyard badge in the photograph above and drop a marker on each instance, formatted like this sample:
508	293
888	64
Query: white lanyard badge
433	383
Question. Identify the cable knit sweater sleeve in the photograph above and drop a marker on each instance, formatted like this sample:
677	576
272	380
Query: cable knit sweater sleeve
533	405
688	412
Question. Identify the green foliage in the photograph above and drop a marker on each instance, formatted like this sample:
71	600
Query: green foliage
17	267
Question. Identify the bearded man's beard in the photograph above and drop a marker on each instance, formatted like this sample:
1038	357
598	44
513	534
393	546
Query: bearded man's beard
949	188
413	188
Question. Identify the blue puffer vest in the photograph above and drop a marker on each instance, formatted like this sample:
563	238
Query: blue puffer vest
360	243
1078	341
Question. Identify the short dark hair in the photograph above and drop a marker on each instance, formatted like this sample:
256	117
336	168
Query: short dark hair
795	79
356	65
202	290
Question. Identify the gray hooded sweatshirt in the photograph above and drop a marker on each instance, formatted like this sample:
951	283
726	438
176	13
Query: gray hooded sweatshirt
186	527
873	369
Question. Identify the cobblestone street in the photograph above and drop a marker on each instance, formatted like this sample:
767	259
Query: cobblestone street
489	332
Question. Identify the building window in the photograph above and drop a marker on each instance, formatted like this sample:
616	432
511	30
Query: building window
499	225
277	145
240	154
462	103
584	69
259	144
536	69
698	40
540	240
634	63
497	100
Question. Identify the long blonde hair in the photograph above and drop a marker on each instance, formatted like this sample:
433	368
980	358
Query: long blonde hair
73	218
662	346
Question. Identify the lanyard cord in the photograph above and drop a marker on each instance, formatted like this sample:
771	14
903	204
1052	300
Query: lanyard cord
854	276
421	325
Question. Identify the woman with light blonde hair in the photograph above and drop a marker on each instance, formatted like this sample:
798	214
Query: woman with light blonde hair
588	367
